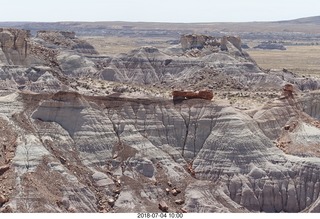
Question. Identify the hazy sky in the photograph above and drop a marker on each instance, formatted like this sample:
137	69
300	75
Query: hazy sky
155	10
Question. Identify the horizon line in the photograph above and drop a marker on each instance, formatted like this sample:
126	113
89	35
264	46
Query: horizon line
169	22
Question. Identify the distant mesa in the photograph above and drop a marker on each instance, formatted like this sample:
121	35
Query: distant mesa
65	34
270	45
198	41
245	46
192	41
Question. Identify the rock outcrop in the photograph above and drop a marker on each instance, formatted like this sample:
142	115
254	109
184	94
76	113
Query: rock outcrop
198	41
150	65
288	90
235	41
201	41
202	62
66	39
14	46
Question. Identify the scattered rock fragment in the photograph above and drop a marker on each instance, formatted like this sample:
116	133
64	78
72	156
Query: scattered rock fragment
71	210
7	209
183	210
118	182
3	199
163	206
111	202
179	201
175	191
116	191
62	159
103	211
100	208
4	168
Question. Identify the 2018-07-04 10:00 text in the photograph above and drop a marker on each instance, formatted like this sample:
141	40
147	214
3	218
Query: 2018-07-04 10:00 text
160	215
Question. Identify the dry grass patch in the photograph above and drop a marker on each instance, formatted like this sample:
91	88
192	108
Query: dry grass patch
304	60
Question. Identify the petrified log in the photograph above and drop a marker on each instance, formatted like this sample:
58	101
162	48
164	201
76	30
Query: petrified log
204	94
